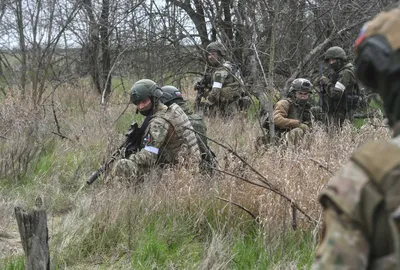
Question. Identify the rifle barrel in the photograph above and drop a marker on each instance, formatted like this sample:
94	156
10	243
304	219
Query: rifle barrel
95	175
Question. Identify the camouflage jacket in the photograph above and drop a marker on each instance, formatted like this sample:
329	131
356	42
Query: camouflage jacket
362	211
226	84
342	91
167	137
199	125
288	114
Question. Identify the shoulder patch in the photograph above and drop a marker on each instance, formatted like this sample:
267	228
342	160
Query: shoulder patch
220	75
345	188
377	158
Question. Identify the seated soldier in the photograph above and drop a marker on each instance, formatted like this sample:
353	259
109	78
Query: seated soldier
167	136
292	116
172	95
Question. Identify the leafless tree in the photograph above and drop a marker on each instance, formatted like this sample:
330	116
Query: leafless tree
37	28
273	41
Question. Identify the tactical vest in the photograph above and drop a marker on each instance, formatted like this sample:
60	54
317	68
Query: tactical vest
198	125
351	98
231	89
296	111
181	140
381	202
301	113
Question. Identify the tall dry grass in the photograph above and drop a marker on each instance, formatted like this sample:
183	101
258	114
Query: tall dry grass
103	224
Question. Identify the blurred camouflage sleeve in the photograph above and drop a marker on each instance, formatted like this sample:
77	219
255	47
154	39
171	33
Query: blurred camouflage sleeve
219	77
342	84
281	112
344	244
153	141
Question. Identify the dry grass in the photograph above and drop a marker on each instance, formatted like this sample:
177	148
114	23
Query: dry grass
36	162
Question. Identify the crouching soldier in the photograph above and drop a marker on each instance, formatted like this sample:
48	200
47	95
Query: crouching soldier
167	139
292	116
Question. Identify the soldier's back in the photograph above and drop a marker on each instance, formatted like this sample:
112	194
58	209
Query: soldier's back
363	211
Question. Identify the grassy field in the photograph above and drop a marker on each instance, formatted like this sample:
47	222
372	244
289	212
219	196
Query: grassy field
178	218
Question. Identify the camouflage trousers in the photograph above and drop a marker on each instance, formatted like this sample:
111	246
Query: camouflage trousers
222	109
329	119
125	170
294	136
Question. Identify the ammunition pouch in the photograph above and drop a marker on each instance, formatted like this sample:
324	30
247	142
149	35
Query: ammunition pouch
353	101
229	94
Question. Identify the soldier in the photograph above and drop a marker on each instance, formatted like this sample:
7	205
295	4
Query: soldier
167	134
361	203
340	90
226	80
172	95
292	116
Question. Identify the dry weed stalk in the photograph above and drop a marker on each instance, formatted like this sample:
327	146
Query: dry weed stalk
290	172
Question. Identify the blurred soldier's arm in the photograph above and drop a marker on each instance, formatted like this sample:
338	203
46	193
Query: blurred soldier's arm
344	243
218	81
308	116
336	90
281	113
153	142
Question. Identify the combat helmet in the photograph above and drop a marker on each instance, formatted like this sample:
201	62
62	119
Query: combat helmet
378	61
216	46
335	53
170	95
301	84
144	89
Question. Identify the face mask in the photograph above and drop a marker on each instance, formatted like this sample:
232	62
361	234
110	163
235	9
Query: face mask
337	65
146	112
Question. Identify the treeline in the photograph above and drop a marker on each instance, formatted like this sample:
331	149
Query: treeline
47	43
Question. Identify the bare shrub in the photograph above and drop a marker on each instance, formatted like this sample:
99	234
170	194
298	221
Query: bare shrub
24	135
105	220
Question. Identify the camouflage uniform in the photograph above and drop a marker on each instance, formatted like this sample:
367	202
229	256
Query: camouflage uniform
167	139
341	89
226	84
362	211
288	115
291	118
173	95
362	203
226	89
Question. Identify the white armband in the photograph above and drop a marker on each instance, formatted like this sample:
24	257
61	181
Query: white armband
217	85
151	149
340	86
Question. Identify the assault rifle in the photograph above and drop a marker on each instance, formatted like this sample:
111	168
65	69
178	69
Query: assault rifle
130	146
321	90
200	87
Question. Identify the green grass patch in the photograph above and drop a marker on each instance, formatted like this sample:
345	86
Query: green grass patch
121	85
124	122
178	236
167	242
13	263
257	250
